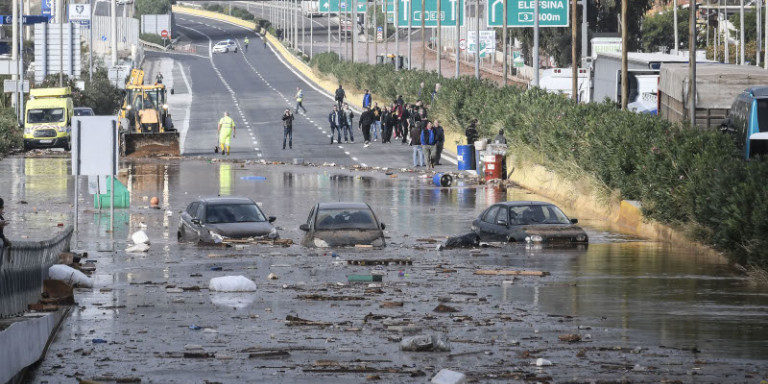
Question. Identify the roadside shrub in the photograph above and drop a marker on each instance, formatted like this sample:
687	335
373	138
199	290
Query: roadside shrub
10	134
684	177
151	7
153	38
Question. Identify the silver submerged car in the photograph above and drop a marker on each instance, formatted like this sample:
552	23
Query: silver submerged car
528	222
342	224
213	220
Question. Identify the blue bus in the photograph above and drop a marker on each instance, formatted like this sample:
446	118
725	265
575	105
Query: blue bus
748	120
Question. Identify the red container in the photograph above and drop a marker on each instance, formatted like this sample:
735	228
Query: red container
493	166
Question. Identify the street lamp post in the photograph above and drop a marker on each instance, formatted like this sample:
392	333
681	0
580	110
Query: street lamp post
692	60
536	43
624	71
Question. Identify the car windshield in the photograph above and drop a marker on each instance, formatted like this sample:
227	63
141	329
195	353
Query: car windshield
45	115
345	218
233	213
536	214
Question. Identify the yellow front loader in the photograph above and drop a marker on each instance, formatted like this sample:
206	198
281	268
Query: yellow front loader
146	128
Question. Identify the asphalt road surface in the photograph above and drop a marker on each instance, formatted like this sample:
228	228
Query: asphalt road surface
256	87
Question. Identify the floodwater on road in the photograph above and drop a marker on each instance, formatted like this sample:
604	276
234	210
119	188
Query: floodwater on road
645	311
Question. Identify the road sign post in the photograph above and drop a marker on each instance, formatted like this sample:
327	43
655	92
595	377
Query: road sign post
552	13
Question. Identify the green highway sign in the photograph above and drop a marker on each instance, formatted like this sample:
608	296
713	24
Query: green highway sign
340	6
447	13
517	59
552	13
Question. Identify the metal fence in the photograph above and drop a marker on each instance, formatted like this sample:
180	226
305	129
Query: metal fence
23	267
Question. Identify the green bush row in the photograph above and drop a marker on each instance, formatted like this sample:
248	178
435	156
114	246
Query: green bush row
153	38
10	134
238	12
691	179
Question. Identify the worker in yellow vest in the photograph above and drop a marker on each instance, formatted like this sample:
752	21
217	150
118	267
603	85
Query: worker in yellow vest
226	132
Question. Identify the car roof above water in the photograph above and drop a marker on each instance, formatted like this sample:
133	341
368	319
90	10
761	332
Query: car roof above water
523	203
343	205
226	200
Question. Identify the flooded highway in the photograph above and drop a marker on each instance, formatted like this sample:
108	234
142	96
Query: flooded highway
643	311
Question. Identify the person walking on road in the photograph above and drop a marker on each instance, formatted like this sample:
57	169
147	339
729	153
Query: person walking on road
4	242
376	127
347	117
339	96
397	111
366	99
386	128
366	120
299	101
439	141
288	128
418	153
334	119
245	44
226	131
427	144
159	78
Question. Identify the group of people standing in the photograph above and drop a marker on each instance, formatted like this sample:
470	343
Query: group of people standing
407	123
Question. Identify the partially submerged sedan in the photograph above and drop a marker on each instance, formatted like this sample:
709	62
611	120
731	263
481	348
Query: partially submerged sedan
528	222
342	224
213	220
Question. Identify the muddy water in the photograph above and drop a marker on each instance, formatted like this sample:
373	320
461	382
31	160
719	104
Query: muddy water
643	292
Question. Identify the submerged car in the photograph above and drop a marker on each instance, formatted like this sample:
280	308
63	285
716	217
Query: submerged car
342	224
216	219
225	46
528	222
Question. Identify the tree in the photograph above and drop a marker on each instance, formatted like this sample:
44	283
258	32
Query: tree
750	17
152	7
657	30
604	16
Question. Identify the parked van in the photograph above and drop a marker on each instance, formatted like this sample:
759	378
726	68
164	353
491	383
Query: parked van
748	120
48	118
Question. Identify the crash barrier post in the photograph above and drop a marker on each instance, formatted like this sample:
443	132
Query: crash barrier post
24	266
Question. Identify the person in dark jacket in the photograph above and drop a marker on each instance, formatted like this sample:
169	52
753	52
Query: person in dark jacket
418	153
339	96
427	143
346	123
5	242
439	141
376	127
288	128
399	100
334	119
471	132
366	120
500	139
386	128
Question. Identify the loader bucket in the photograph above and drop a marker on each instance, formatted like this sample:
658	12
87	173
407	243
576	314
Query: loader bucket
150	144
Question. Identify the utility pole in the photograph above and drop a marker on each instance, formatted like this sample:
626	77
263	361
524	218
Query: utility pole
574	56
60	15
741	33
90	44
726	33
329	32
477	38
674	26
758	27
15	55
353	38
624	37
692	60
397	34
303	28
584	29
366	24
458	40
20	68
311	38
376	31
765	40
338	2
410	27
504	41
423	38
536	43
439	39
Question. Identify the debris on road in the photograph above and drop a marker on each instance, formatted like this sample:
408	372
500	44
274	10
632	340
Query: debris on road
447	376
391	304
140	237
293	321
272	276
138	248
232	284
70	276
510	272
425	343
570	338
364	278
470	240
540	362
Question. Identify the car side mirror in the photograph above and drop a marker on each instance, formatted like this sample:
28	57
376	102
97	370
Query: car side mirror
304	227
196	221
574	221
383	226
272	219
502	222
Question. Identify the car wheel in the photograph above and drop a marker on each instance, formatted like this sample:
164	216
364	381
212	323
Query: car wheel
180	234
235	49
26	147
67	145
511	239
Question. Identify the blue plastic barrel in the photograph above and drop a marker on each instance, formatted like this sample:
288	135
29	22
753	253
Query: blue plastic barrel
442	180
466	157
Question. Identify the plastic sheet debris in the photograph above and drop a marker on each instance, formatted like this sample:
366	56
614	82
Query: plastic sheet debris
425	343
540	362
446	376
69	275
138	248
140	237
232	284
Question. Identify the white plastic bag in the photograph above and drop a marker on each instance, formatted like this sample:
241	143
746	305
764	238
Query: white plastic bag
69	275
232	284
140	237
446	376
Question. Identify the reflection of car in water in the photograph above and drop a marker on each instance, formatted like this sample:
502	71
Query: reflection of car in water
219	218
342	224
527	222
83	111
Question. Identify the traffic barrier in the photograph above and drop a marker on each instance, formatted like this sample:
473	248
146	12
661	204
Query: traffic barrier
24	266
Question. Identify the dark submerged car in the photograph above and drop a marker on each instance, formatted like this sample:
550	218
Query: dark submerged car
528	222
212	220
342	224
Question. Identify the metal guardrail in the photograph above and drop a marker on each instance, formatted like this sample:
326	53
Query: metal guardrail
24	266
